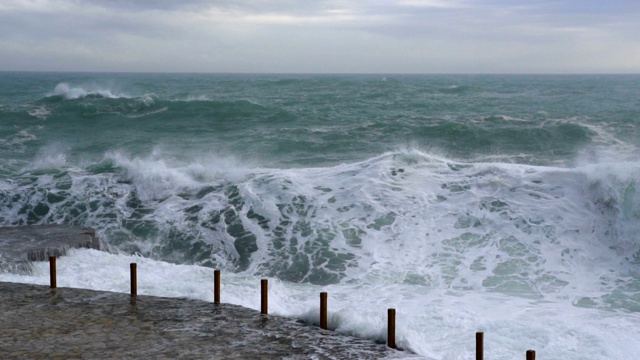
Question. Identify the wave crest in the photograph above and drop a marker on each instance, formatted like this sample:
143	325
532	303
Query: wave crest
69	92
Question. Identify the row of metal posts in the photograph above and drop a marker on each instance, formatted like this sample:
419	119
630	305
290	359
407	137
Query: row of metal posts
264	288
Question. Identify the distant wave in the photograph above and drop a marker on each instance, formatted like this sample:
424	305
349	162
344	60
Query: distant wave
69	92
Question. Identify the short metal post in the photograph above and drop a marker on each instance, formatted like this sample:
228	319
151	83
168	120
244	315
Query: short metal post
531	355
479	345
391	328
264	287
216	286
134	279
52	272
323	310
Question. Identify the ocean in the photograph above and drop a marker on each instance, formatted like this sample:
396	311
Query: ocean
508	204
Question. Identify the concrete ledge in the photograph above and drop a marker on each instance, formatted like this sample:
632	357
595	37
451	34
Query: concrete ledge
20	245
40	323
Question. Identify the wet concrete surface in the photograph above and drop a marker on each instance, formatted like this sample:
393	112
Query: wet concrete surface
37	322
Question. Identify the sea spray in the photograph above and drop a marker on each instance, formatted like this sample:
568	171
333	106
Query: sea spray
68	92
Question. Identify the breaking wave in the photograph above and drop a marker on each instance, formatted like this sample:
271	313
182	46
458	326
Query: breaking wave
69	92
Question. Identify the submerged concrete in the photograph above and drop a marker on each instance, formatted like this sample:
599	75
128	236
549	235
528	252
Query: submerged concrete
20	245
39	323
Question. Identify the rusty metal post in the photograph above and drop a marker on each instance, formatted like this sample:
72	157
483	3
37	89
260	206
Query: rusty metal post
323	310
264	287
531	355
134	279
479	345
391	328
216	286
52	272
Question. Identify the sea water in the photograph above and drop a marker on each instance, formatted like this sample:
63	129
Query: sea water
495	203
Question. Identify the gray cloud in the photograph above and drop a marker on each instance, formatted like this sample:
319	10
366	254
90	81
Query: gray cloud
319	36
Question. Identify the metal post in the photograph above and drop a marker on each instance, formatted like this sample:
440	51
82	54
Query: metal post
531	355
264	286
391	328
323	310
52	272
479	345
134	279
216	286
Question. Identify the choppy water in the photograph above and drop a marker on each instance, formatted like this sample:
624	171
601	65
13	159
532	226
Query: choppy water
508	204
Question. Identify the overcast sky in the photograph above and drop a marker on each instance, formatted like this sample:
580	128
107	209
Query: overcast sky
325	36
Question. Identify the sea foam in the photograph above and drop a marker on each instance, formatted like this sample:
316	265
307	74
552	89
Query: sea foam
70	92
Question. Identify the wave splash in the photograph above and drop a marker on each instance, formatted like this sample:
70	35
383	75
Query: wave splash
68	92
406	217
507	243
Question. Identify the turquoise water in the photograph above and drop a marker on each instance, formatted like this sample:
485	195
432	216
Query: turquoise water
297	121
508	191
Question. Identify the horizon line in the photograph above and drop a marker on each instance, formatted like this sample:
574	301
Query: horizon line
321	73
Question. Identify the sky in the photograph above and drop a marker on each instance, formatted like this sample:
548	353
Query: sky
321	36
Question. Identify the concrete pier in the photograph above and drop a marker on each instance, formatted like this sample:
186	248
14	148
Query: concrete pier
21	245
41	323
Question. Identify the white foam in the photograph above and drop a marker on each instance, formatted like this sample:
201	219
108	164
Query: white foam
22	137
157	177
537	257
148	113
438	323
72	93
191	98
40	112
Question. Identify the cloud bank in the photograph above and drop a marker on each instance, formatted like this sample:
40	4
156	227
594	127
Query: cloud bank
329	36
